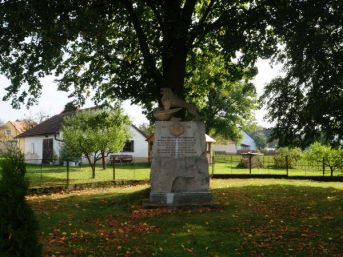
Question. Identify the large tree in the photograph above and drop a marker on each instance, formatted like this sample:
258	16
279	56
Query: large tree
129	49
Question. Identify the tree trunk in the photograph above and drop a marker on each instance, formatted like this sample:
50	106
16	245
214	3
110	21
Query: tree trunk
175	70
103	161
93	171
92	165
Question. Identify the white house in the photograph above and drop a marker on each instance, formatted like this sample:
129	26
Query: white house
43	143
137	146
246	144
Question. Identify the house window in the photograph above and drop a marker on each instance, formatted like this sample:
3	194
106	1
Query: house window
32	148
128	147
7	132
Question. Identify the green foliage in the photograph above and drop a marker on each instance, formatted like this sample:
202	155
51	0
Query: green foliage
283	154
147	129
95	133
70	107
129	49
18	226
308	99
318	153
69	154
222	92
260	139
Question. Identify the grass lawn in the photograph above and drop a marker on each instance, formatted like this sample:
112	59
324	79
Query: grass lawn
259	218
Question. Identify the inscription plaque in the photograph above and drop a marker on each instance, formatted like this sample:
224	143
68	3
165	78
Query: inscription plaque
185	145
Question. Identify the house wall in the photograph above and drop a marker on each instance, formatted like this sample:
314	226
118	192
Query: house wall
7	140
140	153
229	148
33	148
232	148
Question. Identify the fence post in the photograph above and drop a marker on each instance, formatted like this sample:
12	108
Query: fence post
250	163
67	174
212	165
323	166
287	165
41	173
114	169
134	168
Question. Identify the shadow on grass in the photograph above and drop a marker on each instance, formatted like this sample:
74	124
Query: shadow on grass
257	220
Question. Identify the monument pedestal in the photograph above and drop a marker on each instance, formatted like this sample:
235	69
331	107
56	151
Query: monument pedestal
179	168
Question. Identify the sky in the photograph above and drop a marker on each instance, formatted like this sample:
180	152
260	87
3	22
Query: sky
53	101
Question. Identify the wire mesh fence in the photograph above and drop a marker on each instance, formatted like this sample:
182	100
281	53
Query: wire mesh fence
63	173
255	164
58	173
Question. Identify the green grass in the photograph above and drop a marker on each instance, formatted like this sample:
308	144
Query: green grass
258	218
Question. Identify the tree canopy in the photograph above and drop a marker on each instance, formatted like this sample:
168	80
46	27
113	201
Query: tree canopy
307	102
129	49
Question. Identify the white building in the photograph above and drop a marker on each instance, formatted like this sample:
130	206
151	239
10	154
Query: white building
246	144
42	143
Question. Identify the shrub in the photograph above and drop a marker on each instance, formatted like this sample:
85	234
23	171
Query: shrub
18	226
294	155
245	162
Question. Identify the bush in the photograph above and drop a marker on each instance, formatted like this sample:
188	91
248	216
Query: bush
245	162
18	226
294	155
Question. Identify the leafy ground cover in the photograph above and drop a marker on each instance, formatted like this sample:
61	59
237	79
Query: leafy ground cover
257	218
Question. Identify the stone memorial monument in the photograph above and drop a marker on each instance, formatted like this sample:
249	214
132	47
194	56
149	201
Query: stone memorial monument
179	169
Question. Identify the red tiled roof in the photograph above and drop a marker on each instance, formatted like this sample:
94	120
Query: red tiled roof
20	126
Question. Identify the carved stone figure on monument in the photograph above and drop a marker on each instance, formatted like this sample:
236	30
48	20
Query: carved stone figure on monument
170	100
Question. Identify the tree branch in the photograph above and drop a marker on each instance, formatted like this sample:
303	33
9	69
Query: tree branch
186	14
157	14
201	22
149	62
206	28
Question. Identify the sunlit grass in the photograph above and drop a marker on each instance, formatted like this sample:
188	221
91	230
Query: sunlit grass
259	218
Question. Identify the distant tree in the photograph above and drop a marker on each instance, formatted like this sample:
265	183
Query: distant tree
32	120
332	158
18	226
147	129
68	154
70	107
260	139
259	134
96	133
223	92
28	123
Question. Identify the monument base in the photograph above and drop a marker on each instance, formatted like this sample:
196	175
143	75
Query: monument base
179	169
181	200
